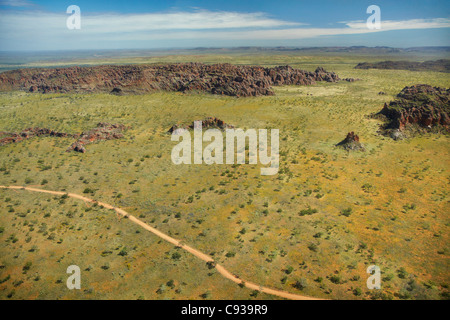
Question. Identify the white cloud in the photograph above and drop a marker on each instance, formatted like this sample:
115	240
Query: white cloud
116	23
388	25
181	20
43	30
287	33
15	3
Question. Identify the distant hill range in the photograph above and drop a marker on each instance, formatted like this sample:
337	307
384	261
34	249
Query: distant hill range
442	65
352	49
10	60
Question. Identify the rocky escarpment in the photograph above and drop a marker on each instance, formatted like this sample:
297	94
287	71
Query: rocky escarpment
103	131
351	143
417	107
208	123
223	79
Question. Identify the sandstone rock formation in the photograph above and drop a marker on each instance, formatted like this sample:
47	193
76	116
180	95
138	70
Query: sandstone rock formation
351	79
103	131
117	91
351	143
210	122
420	105
223	79
10	137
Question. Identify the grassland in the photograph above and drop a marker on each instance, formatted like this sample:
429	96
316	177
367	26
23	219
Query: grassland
387	206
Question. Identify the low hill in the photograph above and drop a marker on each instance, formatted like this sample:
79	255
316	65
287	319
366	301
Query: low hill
442	65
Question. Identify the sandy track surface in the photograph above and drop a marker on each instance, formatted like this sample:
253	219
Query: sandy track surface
224	272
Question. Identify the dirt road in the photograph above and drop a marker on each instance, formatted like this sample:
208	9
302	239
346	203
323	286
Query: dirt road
224	272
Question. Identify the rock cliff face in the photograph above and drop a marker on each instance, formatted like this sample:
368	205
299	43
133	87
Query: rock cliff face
223	79
421	105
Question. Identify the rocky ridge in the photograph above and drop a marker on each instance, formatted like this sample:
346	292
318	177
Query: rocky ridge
103	131
442	65
221	79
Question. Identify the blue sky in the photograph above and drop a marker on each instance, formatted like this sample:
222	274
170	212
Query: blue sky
132	24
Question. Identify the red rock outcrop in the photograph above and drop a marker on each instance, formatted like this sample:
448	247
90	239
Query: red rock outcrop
210	122
10	137
421	105
351	142
103	131
223	79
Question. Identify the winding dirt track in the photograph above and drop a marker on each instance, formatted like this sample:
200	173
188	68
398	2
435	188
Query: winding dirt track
224	272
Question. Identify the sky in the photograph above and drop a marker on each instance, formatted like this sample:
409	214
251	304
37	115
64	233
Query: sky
30	25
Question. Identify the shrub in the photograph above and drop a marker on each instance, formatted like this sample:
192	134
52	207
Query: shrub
176	256
402	274
357	292
123	252
308	212
5	279
88	190
313	247
230	254
300	284
336	279
162	288
368	188
105	266
27	266
346	212
388	277
289	270
170	284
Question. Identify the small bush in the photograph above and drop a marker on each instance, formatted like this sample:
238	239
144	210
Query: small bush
307	212
346	212
88	190
176	256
